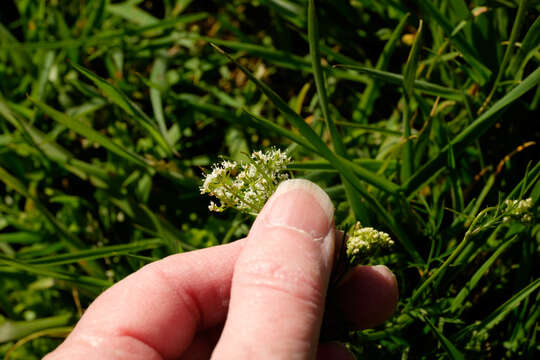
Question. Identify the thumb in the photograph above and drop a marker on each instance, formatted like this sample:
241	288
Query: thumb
281	277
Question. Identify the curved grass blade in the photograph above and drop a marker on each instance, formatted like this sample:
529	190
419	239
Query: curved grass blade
352	172
14	330
38	270
469	135
119	98
92	135
61	332
309	134
420	85
97	253
450	348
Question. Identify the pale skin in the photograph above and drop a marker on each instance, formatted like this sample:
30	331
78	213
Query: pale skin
262	297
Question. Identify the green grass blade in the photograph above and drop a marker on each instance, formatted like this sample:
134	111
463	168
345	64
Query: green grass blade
280	58
97	253
14	330
352	172
280	130
132	13
411	66
500	313
91	134
421	85
409	75
372	89
315	53
19	187
470	134
529	44
119	98
478	71
40	271
516	28
158	77
450	348
470	285
309	134
55	152
104	37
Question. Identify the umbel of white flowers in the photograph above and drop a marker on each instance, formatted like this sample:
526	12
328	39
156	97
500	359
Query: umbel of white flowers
519	210
246	186
365	241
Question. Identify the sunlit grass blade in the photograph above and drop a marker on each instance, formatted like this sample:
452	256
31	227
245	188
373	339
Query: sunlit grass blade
119	98
55	152
280	130
309	134
92	135
42	271
420	85
315	54
352	172
158	77
14	330
470	134
97	253
61	332
106	36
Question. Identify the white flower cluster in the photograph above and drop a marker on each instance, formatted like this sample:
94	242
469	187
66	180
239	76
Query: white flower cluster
519	210
365	241
246	187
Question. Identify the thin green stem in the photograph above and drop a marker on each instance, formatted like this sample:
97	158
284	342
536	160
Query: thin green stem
516	28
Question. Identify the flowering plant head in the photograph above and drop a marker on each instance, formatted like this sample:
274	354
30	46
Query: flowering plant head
519	210
366	241
246	186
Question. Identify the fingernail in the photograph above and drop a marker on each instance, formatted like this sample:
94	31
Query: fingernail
300	205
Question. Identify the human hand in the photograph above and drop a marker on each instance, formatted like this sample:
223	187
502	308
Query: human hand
262	297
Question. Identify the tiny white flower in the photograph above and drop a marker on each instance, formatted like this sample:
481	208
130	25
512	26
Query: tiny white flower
365	241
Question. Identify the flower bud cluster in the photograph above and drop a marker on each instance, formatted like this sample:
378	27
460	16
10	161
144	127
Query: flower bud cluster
365	241
246	186
518	210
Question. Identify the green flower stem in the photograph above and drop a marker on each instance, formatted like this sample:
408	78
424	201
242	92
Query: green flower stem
471	231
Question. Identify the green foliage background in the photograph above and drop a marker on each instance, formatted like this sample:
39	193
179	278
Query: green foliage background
110	112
